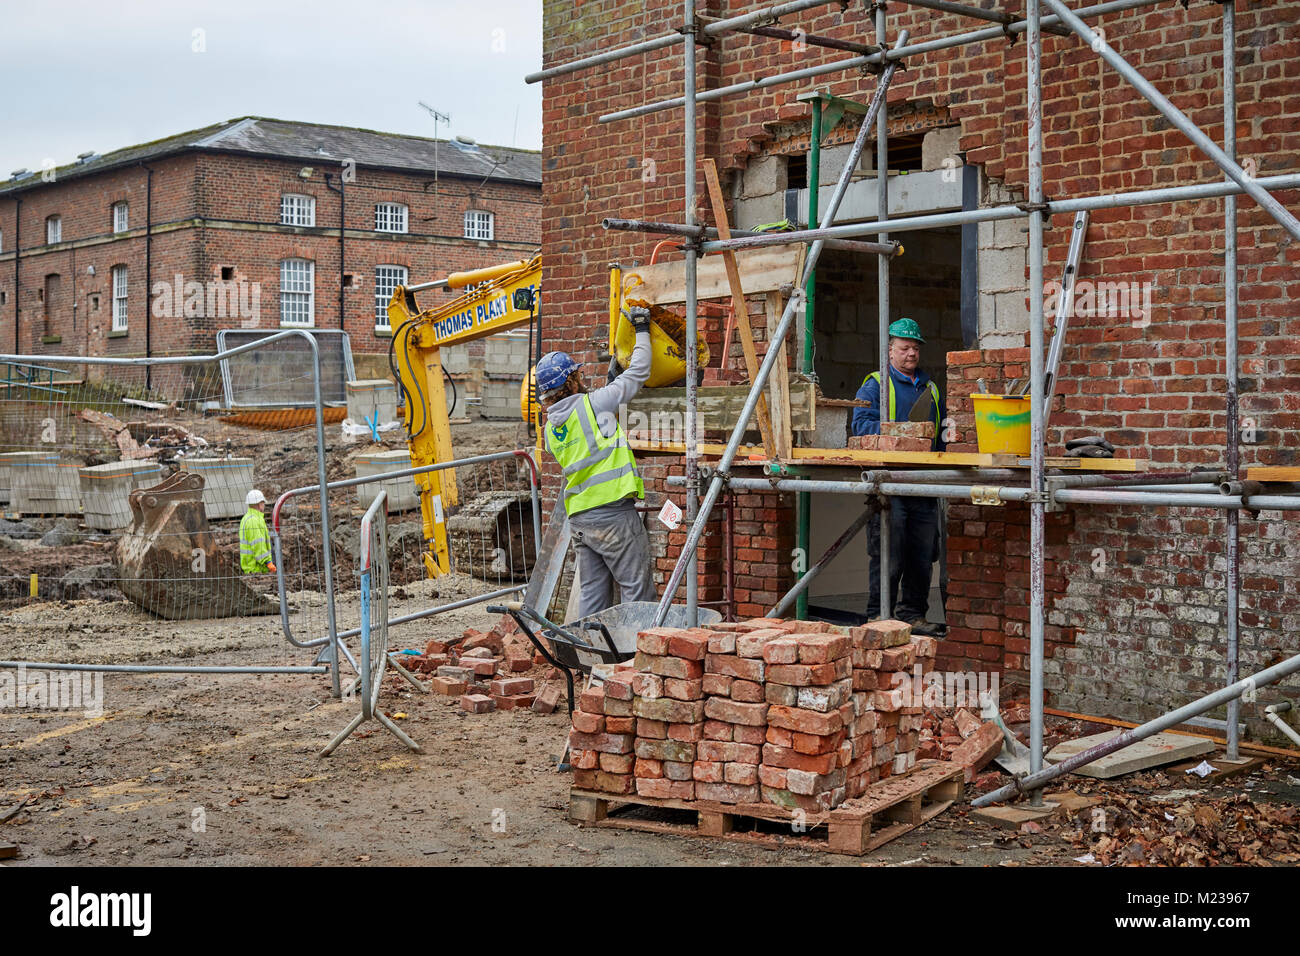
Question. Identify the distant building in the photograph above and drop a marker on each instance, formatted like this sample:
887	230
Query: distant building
151	249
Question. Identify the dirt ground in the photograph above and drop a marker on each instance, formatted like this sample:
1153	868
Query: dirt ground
224	769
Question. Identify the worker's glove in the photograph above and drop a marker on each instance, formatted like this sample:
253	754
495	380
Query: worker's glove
1090	446
640	317
270	566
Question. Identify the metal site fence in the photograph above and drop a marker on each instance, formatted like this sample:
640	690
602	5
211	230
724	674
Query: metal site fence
485	526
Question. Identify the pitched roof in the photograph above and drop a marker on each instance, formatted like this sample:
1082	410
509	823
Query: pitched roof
318	143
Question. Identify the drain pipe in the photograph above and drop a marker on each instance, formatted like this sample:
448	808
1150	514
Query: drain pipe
1271	715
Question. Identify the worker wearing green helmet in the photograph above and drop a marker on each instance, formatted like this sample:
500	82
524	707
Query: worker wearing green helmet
914	522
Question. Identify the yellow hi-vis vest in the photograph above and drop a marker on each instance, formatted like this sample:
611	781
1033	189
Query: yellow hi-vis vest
254	542
934	393
597	470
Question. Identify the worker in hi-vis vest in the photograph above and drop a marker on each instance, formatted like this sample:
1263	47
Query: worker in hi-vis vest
914	532
254	539
601	484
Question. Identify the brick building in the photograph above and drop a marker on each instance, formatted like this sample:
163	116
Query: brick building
1135	605
250	223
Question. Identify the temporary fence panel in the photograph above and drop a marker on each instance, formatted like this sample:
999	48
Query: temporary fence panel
281	377
491	543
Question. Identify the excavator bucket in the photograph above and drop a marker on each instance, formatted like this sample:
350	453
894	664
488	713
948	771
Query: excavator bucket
170	565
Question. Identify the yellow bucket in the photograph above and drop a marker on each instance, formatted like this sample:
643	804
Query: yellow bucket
1002	424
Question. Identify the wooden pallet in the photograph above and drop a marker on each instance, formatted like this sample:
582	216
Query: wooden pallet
889	809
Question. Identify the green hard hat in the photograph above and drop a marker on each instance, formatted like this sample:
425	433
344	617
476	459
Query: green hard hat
906	329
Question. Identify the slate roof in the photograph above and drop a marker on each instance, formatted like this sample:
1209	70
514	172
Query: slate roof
314	143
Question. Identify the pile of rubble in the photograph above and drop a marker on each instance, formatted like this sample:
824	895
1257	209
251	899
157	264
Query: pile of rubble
800	714
482	668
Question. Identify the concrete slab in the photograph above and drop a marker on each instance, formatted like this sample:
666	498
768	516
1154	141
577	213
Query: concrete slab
1155	751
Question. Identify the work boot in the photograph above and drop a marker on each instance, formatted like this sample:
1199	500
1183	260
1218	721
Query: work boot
923	627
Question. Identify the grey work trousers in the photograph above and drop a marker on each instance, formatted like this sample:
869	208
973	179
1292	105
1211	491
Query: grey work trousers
612	547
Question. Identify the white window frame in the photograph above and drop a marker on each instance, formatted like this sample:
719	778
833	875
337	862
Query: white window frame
387	279
120	292
297	209
53	230
121	217
391	217
298	293
475	220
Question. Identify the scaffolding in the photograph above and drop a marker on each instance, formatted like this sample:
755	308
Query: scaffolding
1224	490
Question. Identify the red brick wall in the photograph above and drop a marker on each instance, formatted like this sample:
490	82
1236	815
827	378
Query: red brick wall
1155	384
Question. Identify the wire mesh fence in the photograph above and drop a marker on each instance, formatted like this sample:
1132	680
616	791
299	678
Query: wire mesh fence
489	527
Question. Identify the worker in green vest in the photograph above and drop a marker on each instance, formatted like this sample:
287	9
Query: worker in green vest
914	528
254	539
601	483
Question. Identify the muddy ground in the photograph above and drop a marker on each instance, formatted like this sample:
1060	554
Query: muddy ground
224	769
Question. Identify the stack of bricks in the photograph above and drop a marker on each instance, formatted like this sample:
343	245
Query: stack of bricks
668	701
801	714
602	741
897	436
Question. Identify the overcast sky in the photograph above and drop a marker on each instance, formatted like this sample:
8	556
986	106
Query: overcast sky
79	76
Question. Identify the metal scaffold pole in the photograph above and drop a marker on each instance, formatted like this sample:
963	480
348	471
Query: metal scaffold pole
1037	509
1233	450
692	321
792	307
882	320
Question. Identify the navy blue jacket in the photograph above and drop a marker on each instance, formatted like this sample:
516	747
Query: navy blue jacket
866	421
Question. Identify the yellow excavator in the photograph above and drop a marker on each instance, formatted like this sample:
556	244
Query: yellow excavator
495	299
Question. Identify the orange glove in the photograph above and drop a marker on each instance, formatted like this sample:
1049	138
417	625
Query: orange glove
270	566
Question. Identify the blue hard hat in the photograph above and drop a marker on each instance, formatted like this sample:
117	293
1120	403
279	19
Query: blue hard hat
553	370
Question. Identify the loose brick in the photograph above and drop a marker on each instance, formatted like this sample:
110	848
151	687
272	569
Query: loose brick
782	650
751	644
617	708
824	699
814	744
691	647
456	673
647	767
804	721
509	686
604	743
779	736
783	694
654	640
665	789
654	729
618	783
728	752
805	675
747	692
898	658
669	750
717	730
583	759
726	793
771	777
648	685
617	763
592	700
864	679
687	732
706	771
888	699
547	700
722	642
446	686
734	712
678	769
731	666
669	711
619	688
677	667
586	723
743	734
716	685
742	774
683	689
775	756
476	704
620	725
822	648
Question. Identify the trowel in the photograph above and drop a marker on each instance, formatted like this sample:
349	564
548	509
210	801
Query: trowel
1014	758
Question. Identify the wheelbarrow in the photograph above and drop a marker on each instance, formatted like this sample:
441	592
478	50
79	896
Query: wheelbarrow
606	637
